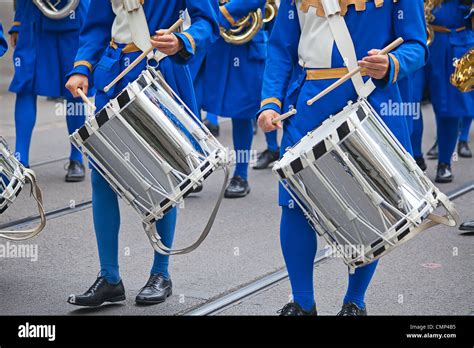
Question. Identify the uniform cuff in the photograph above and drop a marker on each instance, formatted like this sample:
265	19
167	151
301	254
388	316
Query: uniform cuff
189	44
270	104
15	28
81	67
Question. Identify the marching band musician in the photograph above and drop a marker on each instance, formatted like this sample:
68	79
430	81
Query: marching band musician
235	73
304	38
3	42
107	46
44	53
453	26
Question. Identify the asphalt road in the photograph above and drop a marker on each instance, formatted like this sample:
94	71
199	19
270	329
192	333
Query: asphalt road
430	275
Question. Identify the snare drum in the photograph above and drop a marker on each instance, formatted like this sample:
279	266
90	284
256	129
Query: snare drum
13	177
152	150
359	188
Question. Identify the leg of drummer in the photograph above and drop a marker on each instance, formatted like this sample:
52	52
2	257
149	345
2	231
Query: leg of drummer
359	281
25	119
75	119
299	246
448	133
271	154
463	145
106	215
242	133
417	141
105	210
159	286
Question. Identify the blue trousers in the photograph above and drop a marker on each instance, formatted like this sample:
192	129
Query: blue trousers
25	119
105	208
242	134
299	245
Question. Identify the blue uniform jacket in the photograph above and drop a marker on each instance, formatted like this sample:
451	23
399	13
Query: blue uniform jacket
45	50
3	42
233	74
102	62
375	26
447	100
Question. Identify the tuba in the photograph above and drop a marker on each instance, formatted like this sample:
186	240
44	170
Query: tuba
430	5
51	11
463	76
246	28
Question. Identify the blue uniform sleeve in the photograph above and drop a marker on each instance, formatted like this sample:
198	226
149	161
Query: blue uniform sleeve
282	57
231	12
413	53
19	11
3	42
95	36
204	29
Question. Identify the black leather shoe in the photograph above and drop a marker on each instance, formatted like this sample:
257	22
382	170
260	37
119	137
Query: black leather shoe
237	188
444	174
99	293
198	189
156	290
464	150
294	310
266	158
75	172
433	152
467	226
350	309
214	129
420	161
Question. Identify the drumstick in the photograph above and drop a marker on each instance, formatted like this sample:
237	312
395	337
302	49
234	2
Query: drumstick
346	77
86	99
284	116
142	56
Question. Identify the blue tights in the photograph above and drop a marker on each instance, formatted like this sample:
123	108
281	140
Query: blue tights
105	208
212	118
465	128
299	246
272	141
448	133
25	119
242	133
417	137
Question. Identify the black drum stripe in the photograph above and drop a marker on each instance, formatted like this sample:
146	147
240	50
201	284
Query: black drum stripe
361	114
164	202
281	173
167	209
102	118
403	234
297	166
377	242
142	81
184	184
123	99
358	263
319	150
205	166
378	252
401	225
343	130
4	208
83	133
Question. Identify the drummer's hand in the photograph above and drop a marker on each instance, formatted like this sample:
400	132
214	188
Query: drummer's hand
77	81
14	38
265	121
375	66
168	44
